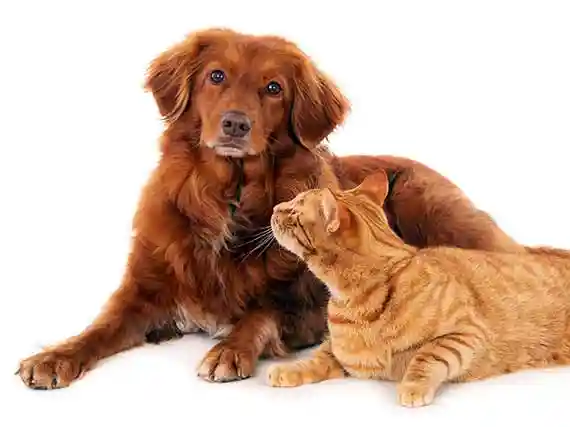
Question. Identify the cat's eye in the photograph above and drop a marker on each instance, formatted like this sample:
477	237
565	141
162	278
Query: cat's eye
217	76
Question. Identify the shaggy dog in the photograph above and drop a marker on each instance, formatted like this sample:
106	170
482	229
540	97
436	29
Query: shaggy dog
245	117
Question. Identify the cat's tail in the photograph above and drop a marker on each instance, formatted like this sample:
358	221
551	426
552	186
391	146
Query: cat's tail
549	251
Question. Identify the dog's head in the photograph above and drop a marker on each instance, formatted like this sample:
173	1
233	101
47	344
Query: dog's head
243	92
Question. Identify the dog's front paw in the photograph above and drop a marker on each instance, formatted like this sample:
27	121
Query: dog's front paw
50	370
226	362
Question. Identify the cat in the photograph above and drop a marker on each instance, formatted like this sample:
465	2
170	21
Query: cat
421	317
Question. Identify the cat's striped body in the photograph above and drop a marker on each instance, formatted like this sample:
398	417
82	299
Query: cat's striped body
490	314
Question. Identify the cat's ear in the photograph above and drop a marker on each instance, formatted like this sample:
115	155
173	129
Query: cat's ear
375	187
330	211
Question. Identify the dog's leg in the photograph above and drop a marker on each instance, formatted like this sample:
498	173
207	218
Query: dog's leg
270	333
122	324
235	357
261	334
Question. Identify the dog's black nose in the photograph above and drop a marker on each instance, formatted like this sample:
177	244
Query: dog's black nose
235	124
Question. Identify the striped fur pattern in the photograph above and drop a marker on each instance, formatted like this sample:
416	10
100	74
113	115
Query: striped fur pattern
421	317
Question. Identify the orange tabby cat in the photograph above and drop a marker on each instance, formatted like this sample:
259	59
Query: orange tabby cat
421	317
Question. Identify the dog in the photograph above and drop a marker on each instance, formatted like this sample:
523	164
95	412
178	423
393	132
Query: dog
245	117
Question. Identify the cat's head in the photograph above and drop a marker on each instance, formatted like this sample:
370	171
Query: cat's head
322	219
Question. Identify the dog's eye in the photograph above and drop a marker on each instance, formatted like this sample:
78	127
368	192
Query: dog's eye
217	76
273	88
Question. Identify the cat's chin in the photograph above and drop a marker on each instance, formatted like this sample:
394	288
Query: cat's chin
290	245
291	248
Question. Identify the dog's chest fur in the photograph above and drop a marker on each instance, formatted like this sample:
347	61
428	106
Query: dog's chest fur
243	264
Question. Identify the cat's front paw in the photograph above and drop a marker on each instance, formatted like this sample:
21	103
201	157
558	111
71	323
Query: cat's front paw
286	375
415	394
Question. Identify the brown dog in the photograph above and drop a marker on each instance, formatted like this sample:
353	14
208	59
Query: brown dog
244	119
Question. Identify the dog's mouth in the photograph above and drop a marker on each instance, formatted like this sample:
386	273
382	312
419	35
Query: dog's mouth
231	147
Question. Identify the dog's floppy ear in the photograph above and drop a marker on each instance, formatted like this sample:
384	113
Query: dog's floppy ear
318	106
170	75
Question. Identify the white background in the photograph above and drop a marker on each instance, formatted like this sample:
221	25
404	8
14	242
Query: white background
479	90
